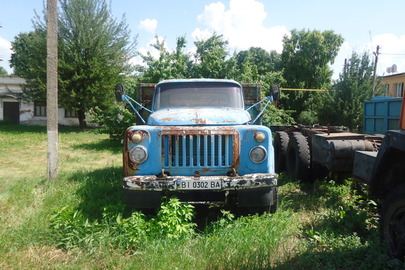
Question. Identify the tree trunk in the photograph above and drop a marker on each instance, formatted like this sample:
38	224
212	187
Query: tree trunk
82	119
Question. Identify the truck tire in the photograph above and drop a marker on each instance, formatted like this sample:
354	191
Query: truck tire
280	142
274	205
143	200
392	222
299	158
257	201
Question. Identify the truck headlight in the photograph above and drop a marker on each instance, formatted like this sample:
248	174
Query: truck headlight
257	154
138	154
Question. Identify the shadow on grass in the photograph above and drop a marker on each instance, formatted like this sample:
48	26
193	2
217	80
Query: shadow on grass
11	128
368	256
100	191
101	145
21	128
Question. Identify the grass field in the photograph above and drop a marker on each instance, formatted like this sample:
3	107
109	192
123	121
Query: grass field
80	221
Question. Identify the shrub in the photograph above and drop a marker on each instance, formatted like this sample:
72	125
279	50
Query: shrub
70	228
277	117
113	121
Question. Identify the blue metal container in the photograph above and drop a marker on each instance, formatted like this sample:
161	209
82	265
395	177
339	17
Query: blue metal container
381	114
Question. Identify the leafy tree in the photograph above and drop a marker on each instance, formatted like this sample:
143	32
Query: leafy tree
181	62
210	57
3	71
274	116
256	65
93	49
263	60
344	104
29	62
168	65
242	69
305	60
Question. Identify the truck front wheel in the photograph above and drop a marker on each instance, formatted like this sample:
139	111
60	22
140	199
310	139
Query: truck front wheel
392	222
258	200
143	199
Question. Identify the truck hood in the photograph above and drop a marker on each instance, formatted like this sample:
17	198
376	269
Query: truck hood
198	116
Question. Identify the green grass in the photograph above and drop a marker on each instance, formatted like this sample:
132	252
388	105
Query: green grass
79	221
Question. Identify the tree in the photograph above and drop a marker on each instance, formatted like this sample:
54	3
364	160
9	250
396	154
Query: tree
94	52
305	60
344	104
29	62
3	71
210	57
256	65
263	60
168	65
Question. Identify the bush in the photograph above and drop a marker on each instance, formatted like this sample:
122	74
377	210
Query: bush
277	117
113	121
71	229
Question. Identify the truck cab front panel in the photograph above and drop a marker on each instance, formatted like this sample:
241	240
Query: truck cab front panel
190	151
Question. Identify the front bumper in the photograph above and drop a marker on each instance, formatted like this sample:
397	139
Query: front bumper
212	183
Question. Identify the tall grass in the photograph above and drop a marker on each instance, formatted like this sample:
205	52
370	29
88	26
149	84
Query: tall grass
80	220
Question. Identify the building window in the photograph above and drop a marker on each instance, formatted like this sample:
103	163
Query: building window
70	113
39	109
399	89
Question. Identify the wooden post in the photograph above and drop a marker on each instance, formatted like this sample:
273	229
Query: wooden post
52	87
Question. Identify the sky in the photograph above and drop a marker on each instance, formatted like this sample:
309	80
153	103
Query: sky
363	24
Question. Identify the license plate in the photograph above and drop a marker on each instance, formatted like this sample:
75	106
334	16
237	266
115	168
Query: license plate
199	185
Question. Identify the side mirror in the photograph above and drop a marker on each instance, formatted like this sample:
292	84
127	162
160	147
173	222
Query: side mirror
275	92
119	92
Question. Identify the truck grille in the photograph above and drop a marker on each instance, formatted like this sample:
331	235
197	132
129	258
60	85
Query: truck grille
197	149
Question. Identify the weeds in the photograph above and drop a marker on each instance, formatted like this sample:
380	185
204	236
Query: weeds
71	229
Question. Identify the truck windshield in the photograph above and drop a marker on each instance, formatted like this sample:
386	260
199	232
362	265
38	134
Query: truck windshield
198	94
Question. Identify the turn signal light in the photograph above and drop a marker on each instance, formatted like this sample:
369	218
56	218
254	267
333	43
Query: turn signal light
136	137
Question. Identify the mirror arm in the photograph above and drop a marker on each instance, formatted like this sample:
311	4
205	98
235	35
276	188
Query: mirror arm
125	98
269	99
121	96
257	103
128	99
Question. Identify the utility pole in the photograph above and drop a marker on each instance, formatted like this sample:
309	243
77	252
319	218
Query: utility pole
376	53
345	67
52	87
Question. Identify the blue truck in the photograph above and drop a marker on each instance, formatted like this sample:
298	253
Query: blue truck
199	143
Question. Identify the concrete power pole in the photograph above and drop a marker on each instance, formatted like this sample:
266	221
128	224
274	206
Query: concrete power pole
52	87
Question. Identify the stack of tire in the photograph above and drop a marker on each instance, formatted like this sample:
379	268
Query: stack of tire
293	155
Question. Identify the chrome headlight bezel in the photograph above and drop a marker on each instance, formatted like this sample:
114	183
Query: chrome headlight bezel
138	154
258	154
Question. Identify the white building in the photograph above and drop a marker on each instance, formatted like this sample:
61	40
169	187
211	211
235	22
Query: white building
15	110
